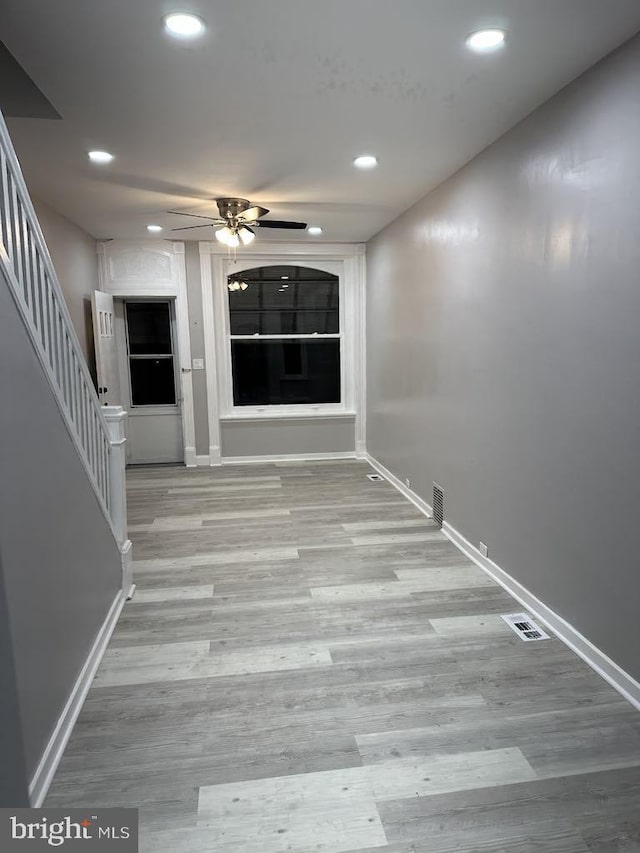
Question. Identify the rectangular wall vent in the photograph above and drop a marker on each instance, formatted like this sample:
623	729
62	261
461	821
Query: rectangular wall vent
376	478
524	626
438	504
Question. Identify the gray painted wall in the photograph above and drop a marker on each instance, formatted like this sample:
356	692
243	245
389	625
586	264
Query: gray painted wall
285	437
73	253
61	562
504	351
13	777
199	377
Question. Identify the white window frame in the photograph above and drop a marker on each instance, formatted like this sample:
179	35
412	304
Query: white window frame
228	409
349	259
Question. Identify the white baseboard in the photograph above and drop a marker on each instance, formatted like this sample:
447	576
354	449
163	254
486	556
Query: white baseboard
203	461
415	499
608	669
215	455
190	457
570	636
60	737
288	457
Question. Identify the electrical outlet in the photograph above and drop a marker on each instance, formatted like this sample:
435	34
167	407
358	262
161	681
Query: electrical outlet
483	549
407	482
198	364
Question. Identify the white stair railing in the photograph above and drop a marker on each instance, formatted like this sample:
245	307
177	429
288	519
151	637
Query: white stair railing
37	293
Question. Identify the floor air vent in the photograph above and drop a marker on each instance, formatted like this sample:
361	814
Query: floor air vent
438	504
376	478
525	627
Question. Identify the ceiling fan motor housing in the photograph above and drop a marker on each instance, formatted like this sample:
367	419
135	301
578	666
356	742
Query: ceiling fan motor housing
230	208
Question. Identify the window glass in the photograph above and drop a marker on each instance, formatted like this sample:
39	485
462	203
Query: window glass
152	382
284	301
266	306
149	328
281	372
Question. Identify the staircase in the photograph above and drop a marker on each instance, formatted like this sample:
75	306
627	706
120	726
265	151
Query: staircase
97	431
66	559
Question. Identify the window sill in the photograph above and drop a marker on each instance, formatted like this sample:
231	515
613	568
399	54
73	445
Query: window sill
154	411
253	415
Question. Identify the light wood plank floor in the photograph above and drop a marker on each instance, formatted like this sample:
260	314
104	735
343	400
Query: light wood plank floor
310	665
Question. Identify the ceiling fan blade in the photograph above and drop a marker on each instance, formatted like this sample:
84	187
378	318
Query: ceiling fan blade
189	227
280	223
195	215
253	213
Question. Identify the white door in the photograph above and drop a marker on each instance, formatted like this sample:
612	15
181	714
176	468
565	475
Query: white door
149	373
105	345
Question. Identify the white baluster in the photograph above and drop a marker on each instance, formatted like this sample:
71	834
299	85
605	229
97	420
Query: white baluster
6	204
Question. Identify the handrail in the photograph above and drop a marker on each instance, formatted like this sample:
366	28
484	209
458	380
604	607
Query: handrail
36	290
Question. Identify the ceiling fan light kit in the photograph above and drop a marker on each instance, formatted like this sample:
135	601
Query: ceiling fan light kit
246	235
226	236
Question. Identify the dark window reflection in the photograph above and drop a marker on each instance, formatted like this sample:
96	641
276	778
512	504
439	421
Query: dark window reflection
152	382
149	328
285	372
285	301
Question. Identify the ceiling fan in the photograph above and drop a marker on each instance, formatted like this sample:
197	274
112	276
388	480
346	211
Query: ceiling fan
238	217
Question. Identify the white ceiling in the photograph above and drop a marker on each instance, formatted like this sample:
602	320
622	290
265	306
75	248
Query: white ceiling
278	98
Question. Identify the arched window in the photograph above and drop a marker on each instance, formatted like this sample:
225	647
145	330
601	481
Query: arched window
284	330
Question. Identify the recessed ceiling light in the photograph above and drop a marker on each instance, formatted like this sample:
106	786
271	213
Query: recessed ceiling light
100	156
183	25
314	230
154	228
284	278
365	161
285	286
486	40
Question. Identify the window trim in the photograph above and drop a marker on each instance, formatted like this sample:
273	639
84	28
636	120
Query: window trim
228	411
352	259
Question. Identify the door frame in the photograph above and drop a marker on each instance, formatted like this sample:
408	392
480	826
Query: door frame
130	269
124	371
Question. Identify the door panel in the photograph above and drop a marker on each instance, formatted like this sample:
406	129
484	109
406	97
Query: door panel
155	437
102	313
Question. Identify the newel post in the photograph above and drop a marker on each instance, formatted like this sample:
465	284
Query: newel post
115	417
